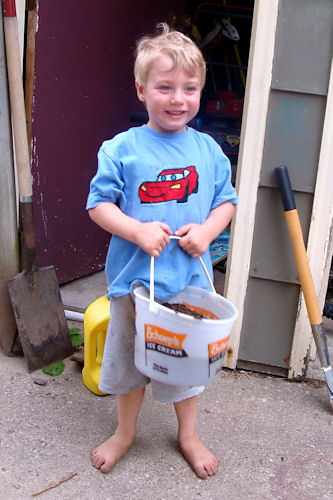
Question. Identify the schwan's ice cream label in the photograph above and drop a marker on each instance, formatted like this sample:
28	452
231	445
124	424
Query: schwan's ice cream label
165	342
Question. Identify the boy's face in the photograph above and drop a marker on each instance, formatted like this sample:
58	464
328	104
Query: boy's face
171	96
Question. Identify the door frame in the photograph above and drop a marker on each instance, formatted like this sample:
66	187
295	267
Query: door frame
319	245
250	158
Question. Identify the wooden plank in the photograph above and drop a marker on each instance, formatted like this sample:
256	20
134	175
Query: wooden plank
250	160
306	70
9	259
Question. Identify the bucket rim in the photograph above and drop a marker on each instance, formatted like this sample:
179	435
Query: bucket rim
232	317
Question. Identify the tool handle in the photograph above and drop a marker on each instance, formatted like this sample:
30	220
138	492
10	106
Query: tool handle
310	296
286	192
16	95
296	235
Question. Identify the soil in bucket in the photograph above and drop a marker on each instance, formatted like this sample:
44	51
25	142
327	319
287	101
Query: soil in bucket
182	308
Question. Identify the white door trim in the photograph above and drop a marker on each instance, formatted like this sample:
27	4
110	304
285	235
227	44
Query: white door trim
256	101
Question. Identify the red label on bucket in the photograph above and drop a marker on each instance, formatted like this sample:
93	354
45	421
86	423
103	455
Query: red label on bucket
217	349
163	341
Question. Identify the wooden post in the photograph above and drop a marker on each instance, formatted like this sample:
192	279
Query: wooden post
9	250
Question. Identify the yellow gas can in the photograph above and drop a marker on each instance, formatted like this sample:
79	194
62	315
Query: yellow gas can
95	324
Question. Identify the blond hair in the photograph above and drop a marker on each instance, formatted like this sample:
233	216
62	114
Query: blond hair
182	50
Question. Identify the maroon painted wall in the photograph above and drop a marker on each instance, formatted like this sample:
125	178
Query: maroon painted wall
84	93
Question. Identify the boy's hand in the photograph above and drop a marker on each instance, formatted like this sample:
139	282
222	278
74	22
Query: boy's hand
153	237
195	239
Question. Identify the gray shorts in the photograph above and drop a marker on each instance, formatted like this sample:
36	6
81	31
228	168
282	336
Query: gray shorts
119	374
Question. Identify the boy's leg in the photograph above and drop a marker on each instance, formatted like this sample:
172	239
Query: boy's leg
200	458
105	456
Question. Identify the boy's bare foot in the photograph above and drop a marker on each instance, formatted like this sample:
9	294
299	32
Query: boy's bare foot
105	456
200	458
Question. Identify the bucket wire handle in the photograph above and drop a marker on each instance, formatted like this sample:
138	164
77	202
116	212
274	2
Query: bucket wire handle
152	276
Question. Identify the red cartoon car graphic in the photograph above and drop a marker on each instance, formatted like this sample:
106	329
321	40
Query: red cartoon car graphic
172	184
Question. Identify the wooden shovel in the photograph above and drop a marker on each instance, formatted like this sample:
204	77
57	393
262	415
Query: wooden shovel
34	293
310	296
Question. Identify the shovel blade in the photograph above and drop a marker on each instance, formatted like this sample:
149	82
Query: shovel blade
40	317
329	379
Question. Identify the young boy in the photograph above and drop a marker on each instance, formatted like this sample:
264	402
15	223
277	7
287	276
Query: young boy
192	198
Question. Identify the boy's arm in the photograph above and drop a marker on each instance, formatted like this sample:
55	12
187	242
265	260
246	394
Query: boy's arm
196	238
152	237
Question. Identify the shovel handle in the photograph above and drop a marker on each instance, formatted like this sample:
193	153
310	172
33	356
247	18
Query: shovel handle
19	125
16	96
311	300
296	235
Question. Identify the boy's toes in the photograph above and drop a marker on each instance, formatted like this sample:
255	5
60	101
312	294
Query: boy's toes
102	464
205	470
106	467
212	468
200	458
96	460
200	471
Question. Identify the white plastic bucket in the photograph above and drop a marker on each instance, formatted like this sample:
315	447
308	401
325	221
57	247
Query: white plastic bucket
176	348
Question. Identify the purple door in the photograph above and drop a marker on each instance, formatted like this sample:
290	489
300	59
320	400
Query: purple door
83	94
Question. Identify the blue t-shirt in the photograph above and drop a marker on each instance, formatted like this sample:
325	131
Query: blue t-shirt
155	176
